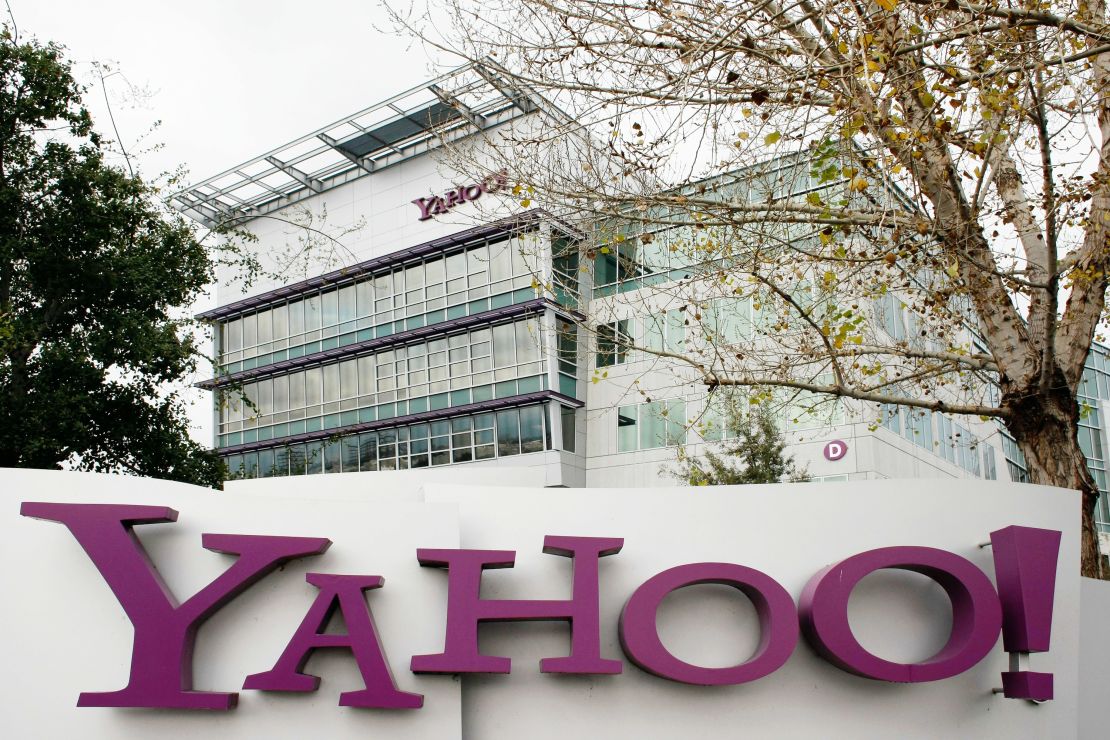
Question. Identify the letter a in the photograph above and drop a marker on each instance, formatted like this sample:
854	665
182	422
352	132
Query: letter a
165	633
344	592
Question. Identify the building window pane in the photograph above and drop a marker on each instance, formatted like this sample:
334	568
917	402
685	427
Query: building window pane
281	394
348	378
531	429
627	433
508	433
350	454
330	308
235	335
331	383
653	427
612	343
250	331
347	303
314	457
265	391
265	327
566	420
676	422
296	318
296	391
281	322
281	461
312	313
266	463
297	462
313	387
503	345
366	375
333	454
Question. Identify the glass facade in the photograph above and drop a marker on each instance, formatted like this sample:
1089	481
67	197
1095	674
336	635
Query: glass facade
466	367
404	403
941	435
438	288
458	439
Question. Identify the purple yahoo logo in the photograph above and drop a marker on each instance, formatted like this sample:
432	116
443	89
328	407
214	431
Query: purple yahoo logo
835	450
439	205
1025	561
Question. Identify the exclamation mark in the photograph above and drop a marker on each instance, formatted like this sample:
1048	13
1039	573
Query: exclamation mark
1025	570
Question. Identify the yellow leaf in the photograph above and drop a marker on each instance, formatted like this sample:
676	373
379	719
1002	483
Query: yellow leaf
772	137
525	203
887	4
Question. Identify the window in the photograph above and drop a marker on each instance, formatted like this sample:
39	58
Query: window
990	469
729	320
917	426
612	343
651	425
566	420
666	332
889	418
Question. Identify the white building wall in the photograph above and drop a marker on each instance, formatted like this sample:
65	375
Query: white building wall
382	202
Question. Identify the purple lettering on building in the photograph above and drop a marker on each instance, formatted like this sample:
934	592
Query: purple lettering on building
439	205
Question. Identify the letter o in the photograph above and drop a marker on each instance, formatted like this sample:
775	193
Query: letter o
778	622
976	613
472	192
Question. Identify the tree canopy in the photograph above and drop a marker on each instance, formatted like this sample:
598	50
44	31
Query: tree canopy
94	275
820	159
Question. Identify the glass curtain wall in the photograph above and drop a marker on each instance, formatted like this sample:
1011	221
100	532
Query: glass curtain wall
467	367
460	439
438	288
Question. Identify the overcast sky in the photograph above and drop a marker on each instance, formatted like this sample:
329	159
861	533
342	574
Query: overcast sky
229	79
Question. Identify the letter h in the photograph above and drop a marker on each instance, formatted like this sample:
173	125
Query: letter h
466	609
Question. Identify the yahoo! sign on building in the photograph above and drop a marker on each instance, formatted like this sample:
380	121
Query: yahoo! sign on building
611	606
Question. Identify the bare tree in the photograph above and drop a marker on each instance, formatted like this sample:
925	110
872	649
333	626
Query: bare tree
822	157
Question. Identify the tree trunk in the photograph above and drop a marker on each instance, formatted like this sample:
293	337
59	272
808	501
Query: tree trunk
1046	429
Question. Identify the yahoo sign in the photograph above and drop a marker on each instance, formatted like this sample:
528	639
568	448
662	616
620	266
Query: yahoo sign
439	205
165	631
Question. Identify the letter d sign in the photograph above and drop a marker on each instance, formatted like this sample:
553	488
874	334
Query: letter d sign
835	450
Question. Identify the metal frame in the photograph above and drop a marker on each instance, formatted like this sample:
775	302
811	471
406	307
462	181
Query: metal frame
460	103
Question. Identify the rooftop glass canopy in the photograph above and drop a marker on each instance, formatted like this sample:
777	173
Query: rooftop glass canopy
469	99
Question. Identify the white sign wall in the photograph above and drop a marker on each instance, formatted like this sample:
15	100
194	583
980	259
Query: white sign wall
64	631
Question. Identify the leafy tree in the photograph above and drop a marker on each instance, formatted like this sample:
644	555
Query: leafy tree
93	272
952	155
754	456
